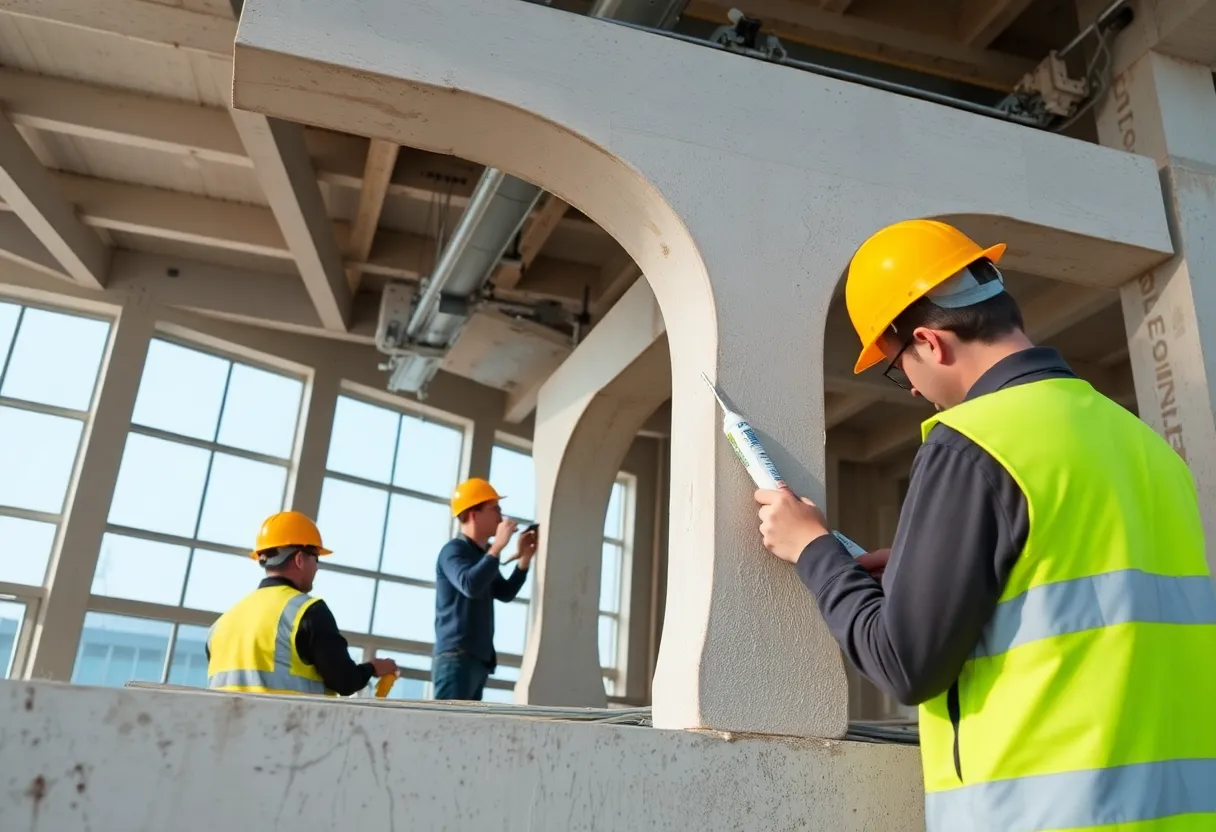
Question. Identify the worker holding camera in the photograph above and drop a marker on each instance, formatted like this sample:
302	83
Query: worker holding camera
1046	602
467	583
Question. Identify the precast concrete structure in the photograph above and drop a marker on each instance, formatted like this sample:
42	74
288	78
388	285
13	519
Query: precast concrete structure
742	220
247	182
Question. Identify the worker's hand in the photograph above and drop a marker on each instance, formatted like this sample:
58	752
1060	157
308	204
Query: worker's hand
383	667
787	523
527	548
875	562
502	536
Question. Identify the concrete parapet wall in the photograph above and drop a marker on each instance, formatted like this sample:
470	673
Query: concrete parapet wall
76	758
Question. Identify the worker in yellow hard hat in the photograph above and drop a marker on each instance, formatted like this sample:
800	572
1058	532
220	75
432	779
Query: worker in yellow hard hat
1046	601
467	583
278	639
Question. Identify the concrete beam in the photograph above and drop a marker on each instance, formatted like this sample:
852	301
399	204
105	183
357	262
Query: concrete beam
19	245
281	161
29	189
616	277
156	23
1182	29
215	223
840	407
377	173
940	55
588	414
980	22
536	232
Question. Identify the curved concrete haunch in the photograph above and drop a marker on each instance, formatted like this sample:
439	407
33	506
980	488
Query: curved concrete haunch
587	415
741	190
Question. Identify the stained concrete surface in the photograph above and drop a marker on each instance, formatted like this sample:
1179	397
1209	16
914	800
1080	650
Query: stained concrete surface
76	758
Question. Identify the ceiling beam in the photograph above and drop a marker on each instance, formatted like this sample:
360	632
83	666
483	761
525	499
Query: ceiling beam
138	20
980	22
616	276
536	232
936	55
377	173
30	190
88	111
284	169
1061	306
252	229
75	108
19	245
840	407
215	223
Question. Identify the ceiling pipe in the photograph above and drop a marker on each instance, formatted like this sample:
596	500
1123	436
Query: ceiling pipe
496	212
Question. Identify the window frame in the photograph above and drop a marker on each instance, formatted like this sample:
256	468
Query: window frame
618	673
369	642
180	613
33	596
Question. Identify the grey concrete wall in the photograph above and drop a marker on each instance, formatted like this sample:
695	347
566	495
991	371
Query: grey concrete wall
74	759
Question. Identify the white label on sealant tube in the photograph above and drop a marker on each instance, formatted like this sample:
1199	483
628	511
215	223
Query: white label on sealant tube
766	464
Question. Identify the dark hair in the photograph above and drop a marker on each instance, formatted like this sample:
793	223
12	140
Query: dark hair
985	321
464	516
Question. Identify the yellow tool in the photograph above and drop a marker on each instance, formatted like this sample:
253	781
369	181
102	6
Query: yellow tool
385	685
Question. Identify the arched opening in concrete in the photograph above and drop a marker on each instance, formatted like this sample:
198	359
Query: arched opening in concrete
872	426
598	182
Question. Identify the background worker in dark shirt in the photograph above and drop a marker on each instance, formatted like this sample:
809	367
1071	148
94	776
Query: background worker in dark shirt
244	651
467	583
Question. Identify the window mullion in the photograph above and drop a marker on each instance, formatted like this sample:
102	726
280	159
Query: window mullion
12	345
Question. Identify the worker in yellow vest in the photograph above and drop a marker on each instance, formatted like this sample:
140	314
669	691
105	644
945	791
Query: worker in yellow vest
1046	601
279	639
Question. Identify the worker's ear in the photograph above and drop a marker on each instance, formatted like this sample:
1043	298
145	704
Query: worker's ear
931	345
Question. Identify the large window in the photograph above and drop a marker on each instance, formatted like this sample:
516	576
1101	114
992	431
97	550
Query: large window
49	363
512	472
384	512
615	567
206	461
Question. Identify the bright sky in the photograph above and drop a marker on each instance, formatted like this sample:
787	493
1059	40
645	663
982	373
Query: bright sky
189	512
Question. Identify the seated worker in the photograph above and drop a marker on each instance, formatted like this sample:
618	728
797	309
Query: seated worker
278	639
467	583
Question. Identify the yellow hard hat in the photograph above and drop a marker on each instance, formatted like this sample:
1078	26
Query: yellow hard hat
288	528
472	492
896	267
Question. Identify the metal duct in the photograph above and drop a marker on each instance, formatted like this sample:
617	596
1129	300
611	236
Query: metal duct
661	14
495	214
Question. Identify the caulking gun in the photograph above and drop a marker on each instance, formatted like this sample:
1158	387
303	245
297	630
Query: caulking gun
752	454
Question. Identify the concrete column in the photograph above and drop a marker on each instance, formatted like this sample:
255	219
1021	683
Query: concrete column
70	577
1166	108
587	415
742	220
317	424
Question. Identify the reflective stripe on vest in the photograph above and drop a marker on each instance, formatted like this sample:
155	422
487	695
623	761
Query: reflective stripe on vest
1125	794
281	678
1105	600
1064	715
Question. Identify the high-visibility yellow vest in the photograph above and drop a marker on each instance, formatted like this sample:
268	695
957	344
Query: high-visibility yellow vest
1089	702
253	645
